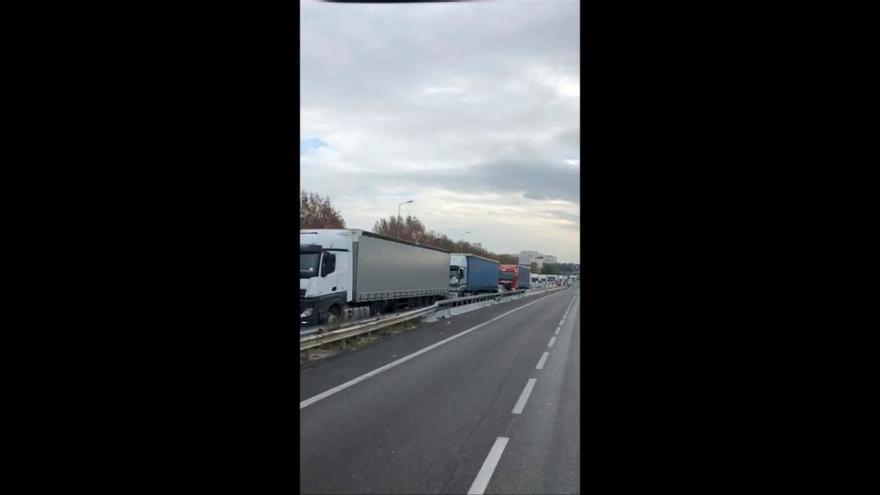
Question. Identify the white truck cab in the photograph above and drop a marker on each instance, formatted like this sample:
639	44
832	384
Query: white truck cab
325	275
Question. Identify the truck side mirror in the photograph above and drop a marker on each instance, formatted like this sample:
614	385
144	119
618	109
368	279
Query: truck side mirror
328	264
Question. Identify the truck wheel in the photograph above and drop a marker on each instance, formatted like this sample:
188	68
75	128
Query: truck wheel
334	318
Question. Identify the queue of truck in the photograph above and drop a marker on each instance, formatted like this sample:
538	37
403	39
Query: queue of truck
349	274
547	281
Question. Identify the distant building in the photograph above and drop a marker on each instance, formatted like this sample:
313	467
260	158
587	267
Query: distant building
527	257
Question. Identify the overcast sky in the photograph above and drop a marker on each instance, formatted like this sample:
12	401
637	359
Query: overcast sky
470	109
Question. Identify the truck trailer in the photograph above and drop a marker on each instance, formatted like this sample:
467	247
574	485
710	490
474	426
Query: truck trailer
471	274
536	282
525	277
352	273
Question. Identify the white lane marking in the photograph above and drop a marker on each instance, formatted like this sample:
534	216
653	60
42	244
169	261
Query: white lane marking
562	321
552	341
567	310
541	361
478	487
557	330
524	396
355	381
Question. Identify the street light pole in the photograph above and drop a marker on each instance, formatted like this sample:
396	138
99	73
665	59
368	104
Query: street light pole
398	215
460	239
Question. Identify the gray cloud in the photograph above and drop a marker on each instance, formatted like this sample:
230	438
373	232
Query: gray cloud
534	180
474	98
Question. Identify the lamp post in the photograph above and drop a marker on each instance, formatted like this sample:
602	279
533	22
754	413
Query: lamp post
460	239
398	215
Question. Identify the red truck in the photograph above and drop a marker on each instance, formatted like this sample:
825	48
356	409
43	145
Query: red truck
514	277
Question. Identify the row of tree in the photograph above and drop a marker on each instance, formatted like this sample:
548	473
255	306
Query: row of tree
316	212
412	229
558	268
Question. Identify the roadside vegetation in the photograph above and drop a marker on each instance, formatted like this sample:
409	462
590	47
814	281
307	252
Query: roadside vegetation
317	212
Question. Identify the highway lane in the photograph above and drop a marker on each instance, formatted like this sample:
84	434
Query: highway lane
543	455
334	370
427	425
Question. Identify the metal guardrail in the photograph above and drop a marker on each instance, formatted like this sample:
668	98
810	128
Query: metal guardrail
461	301
314	339
455	302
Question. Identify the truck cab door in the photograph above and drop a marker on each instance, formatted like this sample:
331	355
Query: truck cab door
331	277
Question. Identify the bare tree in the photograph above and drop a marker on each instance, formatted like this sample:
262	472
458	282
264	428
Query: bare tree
407	229
413	230
507	259
390	227
316	212
551	268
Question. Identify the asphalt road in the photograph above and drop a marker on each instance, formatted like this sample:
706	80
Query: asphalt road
469	414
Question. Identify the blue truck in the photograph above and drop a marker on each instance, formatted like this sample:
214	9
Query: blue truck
471	274
524	277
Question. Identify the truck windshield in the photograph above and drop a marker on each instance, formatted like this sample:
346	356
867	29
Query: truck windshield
308	264
505	275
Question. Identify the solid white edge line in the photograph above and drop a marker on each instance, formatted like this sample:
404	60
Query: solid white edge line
524	396
478	487
356	380
541	361
552	341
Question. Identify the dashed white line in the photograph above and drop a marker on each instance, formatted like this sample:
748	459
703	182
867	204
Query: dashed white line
478	487
552	341
541	361
524	396
355	381
557	330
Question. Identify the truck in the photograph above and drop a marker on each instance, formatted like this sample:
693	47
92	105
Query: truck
470	274
514	277
352	273
525	277
540	281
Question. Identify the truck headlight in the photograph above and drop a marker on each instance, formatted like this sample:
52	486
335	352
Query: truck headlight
306	313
